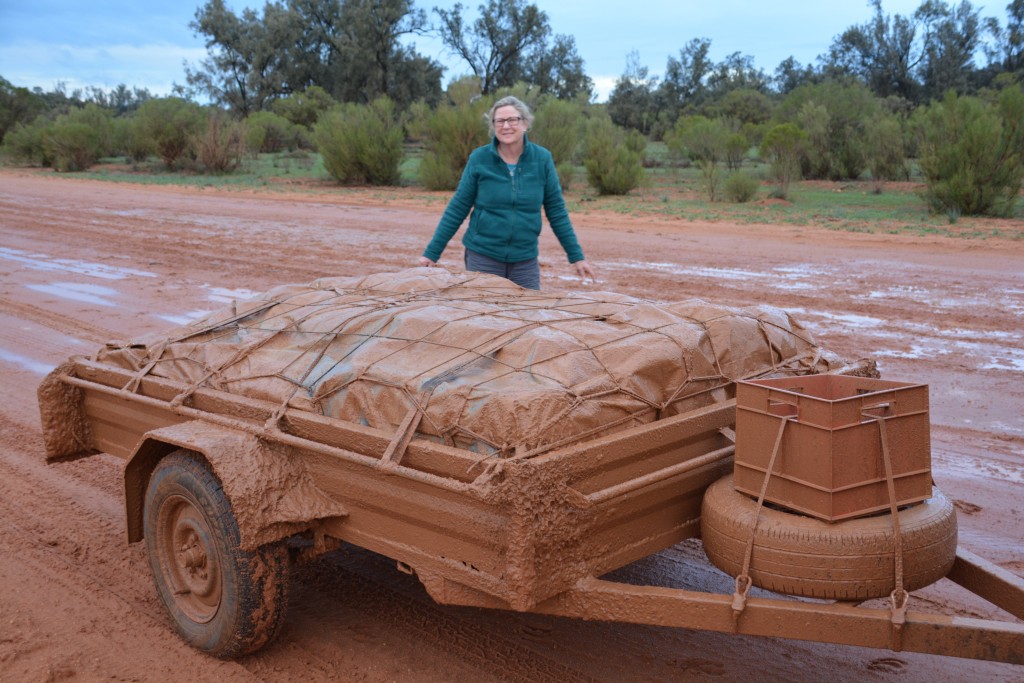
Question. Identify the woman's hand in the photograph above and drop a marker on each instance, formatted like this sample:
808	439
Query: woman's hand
584	270
424	261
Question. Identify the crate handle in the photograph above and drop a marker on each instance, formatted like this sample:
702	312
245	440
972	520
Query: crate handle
775	407
883	409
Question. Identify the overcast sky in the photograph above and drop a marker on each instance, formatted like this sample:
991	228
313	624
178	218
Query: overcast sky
144	43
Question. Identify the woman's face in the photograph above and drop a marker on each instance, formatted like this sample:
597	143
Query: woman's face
509	125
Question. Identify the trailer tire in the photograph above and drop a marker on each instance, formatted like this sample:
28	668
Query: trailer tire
223	600
849	560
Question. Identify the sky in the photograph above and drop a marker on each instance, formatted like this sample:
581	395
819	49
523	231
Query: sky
145	43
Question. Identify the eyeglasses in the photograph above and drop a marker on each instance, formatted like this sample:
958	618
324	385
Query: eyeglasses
512	121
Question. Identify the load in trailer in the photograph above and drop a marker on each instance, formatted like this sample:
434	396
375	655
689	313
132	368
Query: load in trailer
510	448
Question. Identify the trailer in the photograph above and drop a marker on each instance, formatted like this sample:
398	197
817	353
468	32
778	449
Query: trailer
228	490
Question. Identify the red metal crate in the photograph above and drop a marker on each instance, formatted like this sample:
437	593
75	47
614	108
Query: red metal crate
830	463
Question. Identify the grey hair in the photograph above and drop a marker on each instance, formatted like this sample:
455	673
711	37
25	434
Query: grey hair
510	101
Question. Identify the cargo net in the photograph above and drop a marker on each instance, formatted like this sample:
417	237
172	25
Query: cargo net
489	366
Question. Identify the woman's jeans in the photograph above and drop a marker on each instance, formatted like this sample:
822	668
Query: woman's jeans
524	273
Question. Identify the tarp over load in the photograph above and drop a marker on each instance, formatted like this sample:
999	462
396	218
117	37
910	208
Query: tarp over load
493	367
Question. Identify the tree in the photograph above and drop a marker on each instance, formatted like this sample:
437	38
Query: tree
833	115
782	146
508	43
972	154
706	142
631	103
370	62
350	48
558	70
17	105
952	35
1007	52
882	53
684	88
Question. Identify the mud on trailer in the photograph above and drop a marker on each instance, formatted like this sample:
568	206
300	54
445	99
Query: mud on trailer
227	490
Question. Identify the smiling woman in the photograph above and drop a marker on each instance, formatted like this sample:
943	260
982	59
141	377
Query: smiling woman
505	184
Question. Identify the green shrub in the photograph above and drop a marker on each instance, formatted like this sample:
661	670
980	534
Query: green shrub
558	126
76	140
272	133
972	154
361	143
71	146
614	165
782	146
304	108
170	125
130	139
220	147
741	187
449	134
883	149
23	143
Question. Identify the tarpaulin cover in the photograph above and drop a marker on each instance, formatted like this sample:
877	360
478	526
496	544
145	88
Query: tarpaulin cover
490	366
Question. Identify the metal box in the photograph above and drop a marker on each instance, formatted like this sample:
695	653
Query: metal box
830	461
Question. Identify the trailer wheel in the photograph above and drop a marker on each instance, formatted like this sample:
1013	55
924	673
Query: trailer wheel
848	560
223	600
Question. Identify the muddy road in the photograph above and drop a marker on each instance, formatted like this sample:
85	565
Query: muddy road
84	262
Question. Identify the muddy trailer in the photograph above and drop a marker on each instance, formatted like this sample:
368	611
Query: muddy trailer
227	491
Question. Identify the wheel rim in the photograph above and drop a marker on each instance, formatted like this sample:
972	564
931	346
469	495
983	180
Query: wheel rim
188	558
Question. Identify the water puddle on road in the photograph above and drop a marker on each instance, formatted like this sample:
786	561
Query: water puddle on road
25	362
45	262
218	295
77	291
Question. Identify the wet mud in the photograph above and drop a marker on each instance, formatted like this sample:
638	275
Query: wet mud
82	263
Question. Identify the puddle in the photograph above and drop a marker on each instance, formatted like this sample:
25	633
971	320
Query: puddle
77	291
44	262
24	362
184	318
223	295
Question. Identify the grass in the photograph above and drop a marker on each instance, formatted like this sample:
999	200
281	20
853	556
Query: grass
671	193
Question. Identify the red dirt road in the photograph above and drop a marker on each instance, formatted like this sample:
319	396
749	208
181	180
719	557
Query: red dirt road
83	262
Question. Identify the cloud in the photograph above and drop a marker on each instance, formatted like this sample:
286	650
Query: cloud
155	66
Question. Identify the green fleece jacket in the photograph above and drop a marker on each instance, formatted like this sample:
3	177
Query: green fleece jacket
506	223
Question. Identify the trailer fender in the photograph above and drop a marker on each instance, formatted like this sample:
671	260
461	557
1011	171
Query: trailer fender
66	432
271	493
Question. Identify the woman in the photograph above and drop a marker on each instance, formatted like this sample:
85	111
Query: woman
505	184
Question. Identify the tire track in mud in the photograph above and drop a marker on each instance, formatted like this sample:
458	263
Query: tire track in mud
65	564
65	324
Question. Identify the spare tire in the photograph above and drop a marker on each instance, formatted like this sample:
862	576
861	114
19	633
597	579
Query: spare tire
848	560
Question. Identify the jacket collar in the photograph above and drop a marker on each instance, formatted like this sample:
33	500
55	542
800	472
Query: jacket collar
527	145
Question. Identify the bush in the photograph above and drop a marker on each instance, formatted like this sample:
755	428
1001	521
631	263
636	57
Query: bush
76	140
23	144
706	142
219	148
833	115
558	126
70	146
741	187
272	133
972	154
783	146
884	149
449	134
304	108
130	139
361	143
169	125
612	159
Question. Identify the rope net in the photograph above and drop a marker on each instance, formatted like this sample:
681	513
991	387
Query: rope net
493	368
